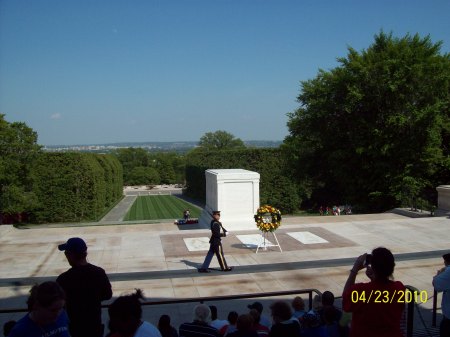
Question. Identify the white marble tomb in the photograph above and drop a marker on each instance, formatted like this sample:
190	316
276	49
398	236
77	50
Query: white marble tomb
443	197
233	192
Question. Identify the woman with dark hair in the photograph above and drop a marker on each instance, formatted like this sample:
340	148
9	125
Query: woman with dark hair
244	327
165	328
46	316
125	318
282	318
376	306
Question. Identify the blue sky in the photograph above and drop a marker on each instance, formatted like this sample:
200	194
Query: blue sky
83	72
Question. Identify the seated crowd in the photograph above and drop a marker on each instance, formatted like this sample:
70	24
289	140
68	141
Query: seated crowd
47	315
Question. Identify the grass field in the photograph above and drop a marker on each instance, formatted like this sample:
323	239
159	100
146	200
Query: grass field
155	207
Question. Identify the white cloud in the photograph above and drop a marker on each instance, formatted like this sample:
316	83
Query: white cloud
55	116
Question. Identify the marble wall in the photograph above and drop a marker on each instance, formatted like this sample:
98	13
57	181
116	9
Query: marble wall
443	197
235	193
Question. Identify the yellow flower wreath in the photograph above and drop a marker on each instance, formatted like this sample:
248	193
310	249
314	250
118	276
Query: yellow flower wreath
268	218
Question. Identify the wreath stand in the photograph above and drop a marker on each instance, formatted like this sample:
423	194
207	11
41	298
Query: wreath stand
263	243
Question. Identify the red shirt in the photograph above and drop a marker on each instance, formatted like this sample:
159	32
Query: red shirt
376	308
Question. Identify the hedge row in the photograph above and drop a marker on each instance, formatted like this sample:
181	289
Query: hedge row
276	188
74	187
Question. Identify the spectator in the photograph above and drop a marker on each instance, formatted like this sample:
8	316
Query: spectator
316	304
215	322
261	330
299	307
244	327
231	326
334	314
125	318
46	315
372	317
330	323
311	326
7	327
186	215
86	286
264	320
165	328
441	282
200	325
283	324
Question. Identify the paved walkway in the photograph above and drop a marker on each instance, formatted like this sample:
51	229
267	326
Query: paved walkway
120	210
162	258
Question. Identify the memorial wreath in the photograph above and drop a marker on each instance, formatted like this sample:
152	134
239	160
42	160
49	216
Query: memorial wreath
268	218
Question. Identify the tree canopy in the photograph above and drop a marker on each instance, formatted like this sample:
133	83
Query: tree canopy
141	167
18	148
220	140
376	125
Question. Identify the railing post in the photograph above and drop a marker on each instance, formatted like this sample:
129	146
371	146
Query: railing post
434	307
410	312
410	320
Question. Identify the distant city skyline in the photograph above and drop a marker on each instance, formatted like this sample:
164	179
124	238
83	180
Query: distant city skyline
102	72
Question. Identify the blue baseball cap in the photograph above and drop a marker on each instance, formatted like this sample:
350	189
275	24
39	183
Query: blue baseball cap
74	245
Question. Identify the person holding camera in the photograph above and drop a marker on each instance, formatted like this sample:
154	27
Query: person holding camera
215	245
376	306
441	282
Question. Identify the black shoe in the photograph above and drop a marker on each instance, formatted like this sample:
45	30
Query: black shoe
228	269
203	270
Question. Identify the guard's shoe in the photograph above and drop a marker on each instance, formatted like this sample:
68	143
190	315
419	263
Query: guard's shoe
228	269
203	270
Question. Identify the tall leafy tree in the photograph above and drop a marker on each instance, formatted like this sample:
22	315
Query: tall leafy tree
219	140
374	123
18	149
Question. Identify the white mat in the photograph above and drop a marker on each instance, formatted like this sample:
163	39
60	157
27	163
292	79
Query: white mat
307	238
252	240
197	244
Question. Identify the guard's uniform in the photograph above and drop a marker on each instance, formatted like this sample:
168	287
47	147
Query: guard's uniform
215	246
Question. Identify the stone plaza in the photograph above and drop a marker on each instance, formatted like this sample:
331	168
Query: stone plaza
162	259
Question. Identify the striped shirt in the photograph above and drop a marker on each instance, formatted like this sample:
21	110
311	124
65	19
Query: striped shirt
198	329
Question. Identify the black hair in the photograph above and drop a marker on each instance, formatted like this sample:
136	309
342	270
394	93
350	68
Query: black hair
164	326
244	323
213	309
7	327
446	258
127	306
281	310
382	262
45	294
232	317
327	298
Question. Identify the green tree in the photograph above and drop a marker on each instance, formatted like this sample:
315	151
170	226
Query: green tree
141	175
380	116
219	140
170	166
18	149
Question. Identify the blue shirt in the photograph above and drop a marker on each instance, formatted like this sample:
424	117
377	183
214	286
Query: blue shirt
441	282
26	327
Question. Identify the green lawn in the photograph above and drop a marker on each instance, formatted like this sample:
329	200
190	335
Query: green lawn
153	207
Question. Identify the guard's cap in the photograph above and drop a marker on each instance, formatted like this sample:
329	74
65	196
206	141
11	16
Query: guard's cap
216	212
74	245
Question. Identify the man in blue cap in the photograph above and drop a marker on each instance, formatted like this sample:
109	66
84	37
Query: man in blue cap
86	286
441	282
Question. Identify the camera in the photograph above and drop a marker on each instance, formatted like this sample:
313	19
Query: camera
368	259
